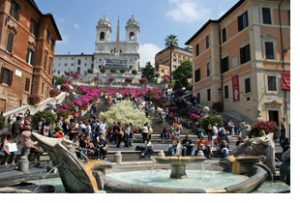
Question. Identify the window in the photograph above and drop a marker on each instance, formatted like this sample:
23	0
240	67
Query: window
224	65
30	58
197	75
42	91
79	62
226	92
224	35
198	97
289	17
10	42
207	69
207	42
58	72
27	84
245	54
48	36
50	66
66	64
45	60
269	50
15	10
247	85
6	76
34	28
197	50
234	61
266	16
243	21
208	95
272	84
102	36
131	36
78	69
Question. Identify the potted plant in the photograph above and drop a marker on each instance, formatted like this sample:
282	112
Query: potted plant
34	99
134	72
54	92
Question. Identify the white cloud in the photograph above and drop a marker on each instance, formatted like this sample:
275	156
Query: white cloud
76	26
187	11
147	53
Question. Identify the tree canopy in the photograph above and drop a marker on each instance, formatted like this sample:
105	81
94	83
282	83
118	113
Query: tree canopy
182	74
125	113
171	41
148	72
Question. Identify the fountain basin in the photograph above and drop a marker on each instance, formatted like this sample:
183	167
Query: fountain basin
202	178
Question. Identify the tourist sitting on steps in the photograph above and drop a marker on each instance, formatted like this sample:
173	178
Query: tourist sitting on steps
7	148
148	149
223	149
171	151
101	147
187	146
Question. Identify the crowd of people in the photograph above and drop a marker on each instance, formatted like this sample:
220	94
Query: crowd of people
93	136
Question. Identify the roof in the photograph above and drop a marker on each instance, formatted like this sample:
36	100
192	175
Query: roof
34	5
49	15
233	8
178	48
74	55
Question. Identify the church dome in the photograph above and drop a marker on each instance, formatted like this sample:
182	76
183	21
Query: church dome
104	21
133	22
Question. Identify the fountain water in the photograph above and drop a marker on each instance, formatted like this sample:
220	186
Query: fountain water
78	177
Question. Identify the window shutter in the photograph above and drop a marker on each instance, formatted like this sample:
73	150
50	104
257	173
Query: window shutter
1	76
10	78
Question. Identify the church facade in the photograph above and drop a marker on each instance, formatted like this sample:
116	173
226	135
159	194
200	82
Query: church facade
113	60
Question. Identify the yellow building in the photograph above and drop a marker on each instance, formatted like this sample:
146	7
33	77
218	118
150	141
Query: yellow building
243	60
162	60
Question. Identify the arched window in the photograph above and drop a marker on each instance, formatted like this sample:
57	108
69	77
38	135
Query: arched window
102	36
131	36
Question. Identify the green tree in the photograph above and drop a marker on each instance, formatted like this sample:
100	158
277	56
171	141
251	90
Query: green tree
182	74
171	42
148	72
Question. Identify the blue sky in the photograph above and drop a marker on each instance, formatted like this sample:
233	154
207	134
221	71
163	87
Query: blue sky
77	19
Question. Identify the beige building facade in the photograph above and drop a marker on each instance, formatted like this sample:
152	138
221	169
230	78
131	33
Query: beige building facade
162	60
242	60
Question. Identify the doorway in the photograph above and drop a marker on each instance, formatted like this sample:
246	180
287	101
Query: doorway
274	116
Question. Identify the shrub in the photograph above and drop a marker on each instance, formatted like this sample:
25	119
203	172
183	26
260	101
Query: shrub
65	87
102	70
54	92
2	122
122	71
90	71
59	80
166	79
111	79
144	81
113	71
210	119
134	72
128	80
266	126
34	99
46	115
125	113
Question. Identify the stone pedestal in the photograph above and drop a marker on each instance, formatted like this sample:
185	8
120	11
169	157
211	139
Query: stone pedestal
24	165
118	157
178	171
161	153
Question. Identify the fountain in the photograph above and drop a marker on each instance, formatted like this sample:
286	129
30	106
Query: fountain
168	175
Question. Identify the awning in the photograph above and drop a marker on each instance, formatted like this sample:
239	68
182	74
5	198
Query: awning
285	81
